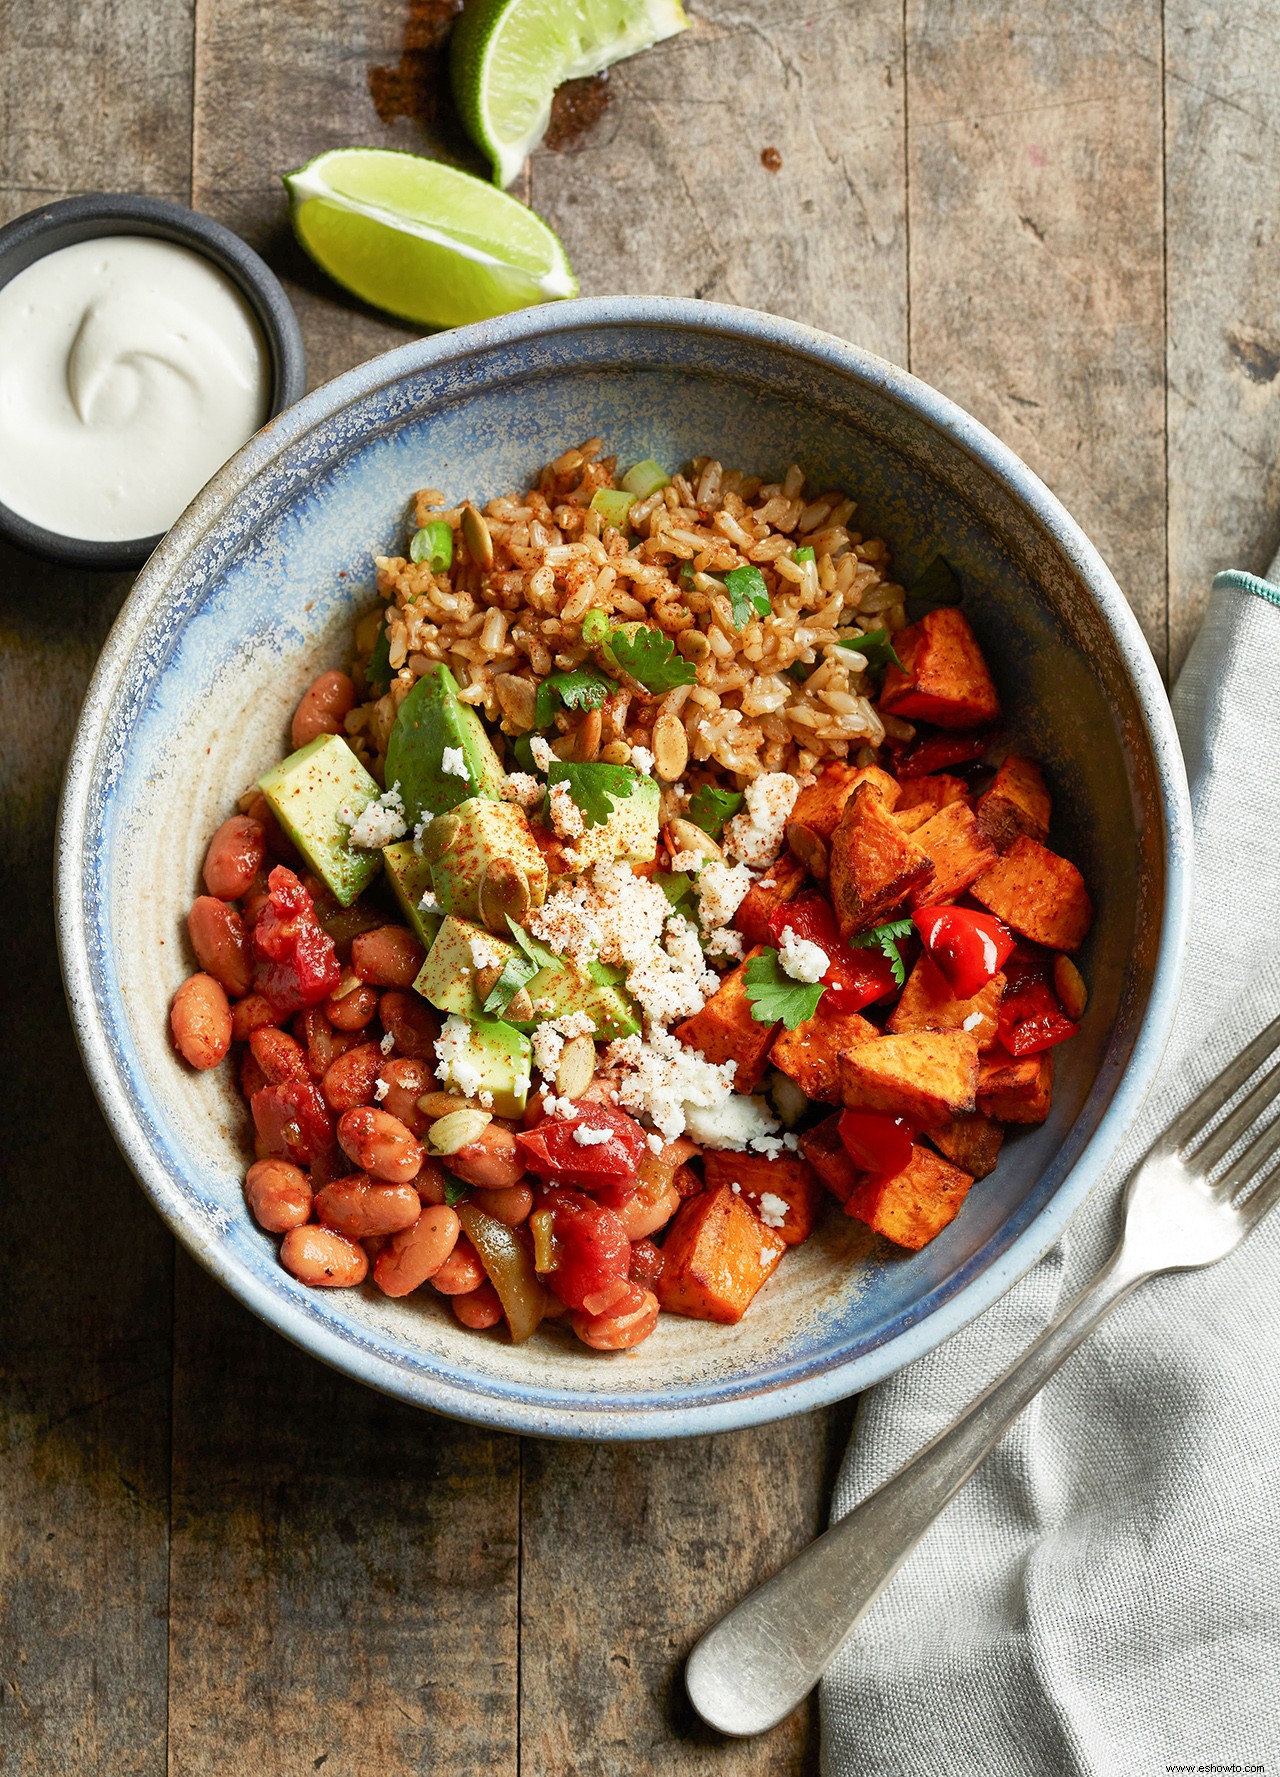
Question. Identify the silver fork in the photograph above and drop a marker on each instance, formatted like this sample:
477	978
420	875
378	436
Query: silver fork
1189	1201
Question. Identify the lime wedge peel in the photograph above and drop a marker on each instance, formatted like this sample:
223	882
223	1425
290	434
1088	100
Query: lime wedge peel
508	57
423	240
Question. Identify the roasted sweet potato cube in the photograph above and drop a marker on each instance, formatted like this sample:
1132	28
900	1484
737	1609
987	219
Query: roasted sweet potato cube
960	851
1038	893
810	1054
1016	804
785	1193
1016	1089
874	864
820	804
724	1030
922	797
943	678
972	1143
926	1076
716	1256
780	884
916	1205
829	1158
927	1003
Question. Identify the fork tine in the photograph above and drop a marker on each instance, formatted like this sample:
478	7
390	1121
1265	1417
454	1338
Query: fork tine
1228	1133
1243	1170
1264	1198
1202	1109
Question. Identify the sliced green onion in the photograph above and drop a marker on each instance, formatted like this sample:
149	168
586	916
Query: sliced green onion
613	505
685	575
433	544
804	553
595	626
645	478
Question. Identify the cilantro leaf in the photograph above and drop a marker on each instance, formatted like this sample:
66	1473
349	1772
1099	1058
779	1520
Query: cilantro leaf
685	576
378	672
885	938
650	658
678	889
710	808
595	788
455	1190
582	689
748	594
538	954
595	626
938	585
877	645
774	995
516	972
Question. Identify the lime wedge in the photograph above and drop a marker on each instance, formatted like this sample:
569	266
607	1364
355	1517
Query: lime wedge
423	240
509	56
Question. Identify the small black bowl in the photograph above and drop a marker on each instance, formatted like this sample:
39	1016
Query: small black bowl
99	214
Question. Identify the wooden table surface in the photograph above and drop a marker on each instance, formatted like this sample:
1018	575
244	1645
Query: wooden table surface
215	1555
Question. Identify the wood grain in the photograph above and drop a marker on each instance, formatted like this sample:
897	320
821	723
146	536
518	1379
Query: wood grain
1037	253
1222	99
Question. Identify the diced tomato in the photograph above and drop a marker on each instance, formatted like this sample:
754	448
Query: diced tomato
296	963
968	947
855	978
646	1263
292	1121
591	1251
877	1143
940	752
555	1151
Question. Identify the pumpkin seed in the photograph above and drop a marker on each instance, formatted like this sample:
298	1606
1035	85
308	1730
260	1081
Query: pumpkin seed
504	890
670	747
576	1067
1068	982
458	1130
687	837
476	535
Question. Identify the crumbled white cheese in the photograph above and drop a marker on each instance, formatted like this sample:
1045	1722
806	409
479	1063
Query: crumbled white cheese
688	861
557	1107
540	752
772	1209
721	888
586	1137
523	788
735	1124
972	1021
486	1098
642	759
755	836
655	1143
419	832
387	1044
667	1082
381	1089
672	982
768	1145
800	959
428	903
484	952
791	1142
566	816
736	1188
380	822
565	925
546	1044
453	763
575	1024
457	1061
724	941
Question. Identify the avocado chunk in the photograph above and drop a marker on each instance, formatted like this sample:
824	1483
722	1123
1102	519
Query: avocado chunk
448	976
485	1056
485	862
431	722
557	992
631	830
410	877
306	793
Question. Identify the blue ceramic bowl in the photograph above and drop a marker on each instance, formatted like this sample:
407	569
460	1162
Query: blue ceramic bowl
253	592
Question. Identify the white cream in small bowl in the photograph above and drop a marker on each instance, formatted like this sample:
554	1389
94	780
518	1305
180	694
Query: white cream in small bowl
132	366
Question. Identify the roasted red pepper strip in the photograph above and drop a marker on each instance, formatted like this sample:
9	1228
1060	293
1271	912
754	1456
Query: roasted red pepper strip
967	947
295	963
877	1143
855	978
940	753
1031	1020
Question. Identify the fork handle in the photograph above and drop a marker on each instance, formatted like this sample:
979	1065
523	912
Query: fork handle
754	1666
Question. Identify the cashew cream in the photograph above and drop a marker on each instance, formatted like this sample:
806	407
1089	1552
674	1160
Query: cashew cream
130	369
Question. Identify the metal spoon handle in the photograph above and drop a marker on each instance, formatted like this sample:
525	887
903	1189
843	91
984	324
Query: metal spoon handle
761	1660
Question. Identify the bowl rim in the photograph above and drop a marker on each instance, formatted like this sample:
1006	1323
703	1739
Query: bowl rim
98	215
515	1413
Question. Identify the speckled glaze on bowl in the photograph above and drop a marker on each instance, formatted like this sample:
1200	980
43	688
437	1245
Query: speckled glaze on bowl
253	592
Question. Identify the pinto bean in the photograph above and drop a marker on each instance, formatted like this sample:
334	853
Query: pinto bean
461	1272
353	1010
432	1183
349	1081
279	845
416	1254
250	1014
411	1023
323	705
510	1205
218	938
200	1020
359	1208
492	1161
380	1144
388	956
252	1078
406	1082
323	1259
279	1194
254	900
622	1326
280	1056
479	1308
234	857
642	1214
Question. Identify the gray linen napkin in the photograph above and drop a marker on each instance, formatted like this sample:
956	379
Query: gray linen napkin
1103	1597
